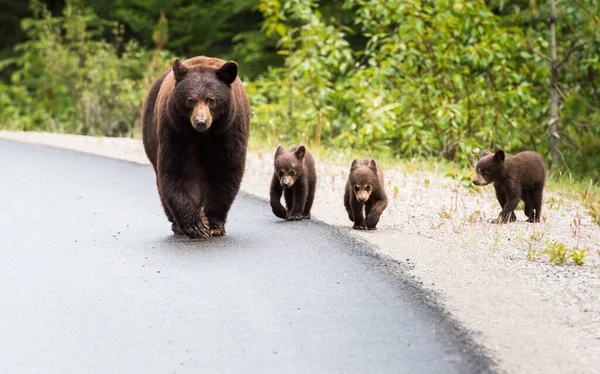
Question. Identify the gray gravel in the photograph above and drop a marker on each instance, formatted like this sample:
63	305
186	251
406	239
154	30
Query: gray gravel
532	316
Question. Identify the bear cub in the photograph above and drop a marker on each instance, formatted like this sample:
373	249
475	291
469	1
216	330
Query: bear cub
295	177
515	178
365	191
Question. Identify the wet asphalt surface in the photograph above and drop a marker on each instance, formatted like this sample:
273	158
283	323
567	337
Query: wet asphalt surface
92	280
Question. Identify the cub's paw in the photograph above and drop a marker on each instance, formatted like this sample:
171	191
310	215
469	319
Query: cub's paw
198	230
176	230
293	217
306	216
371	228
359	227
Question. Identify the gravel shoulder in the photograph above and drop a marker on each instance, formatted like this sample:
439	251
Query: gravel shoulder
531	316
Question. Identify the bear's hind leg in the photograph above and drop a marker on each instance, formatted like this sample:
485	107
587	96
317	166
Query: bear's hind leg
310	198
536	204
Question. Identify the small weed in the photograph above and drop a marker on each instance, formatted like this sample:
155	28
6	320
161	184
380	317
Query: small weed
578	256
426	182
591	201
444	213
553	203
435	227
395	191
475	217
520	206
558	253
535	239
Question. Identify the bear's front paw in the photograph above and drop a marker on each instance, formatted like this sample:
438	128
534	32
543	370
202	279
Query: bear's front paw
293	217
359	227
371	228
198	230
176	230
306	216
217	231
217	228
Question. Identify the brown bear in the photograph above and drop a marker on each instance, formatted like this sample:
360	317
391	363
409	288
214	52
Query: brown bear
365	191
195	124
296	178
515	178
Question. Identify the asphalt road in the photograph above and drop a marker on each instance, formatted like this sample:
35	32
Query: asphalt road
93	281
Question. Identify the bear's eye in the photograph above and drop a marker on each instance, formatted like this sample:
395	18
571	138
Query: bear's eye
211	101
190	102
485	172
368	188
292	173
281	173
356	188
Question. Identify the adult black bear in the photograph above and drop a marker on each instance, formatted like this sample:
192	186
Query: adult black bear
195	124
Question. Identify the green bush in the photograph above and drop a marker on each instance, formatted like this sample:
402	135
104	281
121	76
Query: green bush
70	79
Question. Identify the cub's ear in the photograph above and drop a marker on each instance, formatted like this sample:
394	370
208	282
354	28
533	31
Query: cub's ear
499	155
278	151
179	70
300	152
486	152
354	164
228	72
373	165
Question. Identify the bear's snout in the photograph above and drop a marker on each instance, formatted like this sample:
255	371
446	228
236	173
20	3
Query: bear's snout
201	118
479	180
287	181
200	124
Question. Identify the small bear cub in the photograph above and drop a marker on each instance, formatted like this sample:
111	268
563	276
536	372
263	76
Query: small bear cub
365	191
515	178
295	177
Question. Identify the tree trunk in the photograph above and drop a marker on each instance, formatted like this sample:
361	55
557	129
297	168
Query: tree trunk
554	89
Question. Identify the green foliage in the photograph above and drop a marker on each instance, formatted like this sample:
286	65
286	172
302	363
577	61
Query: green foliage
388	78
69	79
558	253
228	29
443	79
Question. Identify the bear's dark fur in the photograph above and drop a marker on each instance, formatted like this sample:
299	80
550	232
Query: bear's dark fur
515	178
195	131
365	191
296	178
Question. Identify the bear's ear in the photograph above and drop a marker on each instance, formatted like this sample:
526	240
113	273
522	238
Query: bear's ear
179	70
278	151
373	165
354	164
486	152
300	152
228	72
499	155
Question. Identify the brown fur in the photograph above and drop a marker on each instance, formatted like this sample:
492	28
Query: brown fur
365	191
515	178
195	124
296	178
